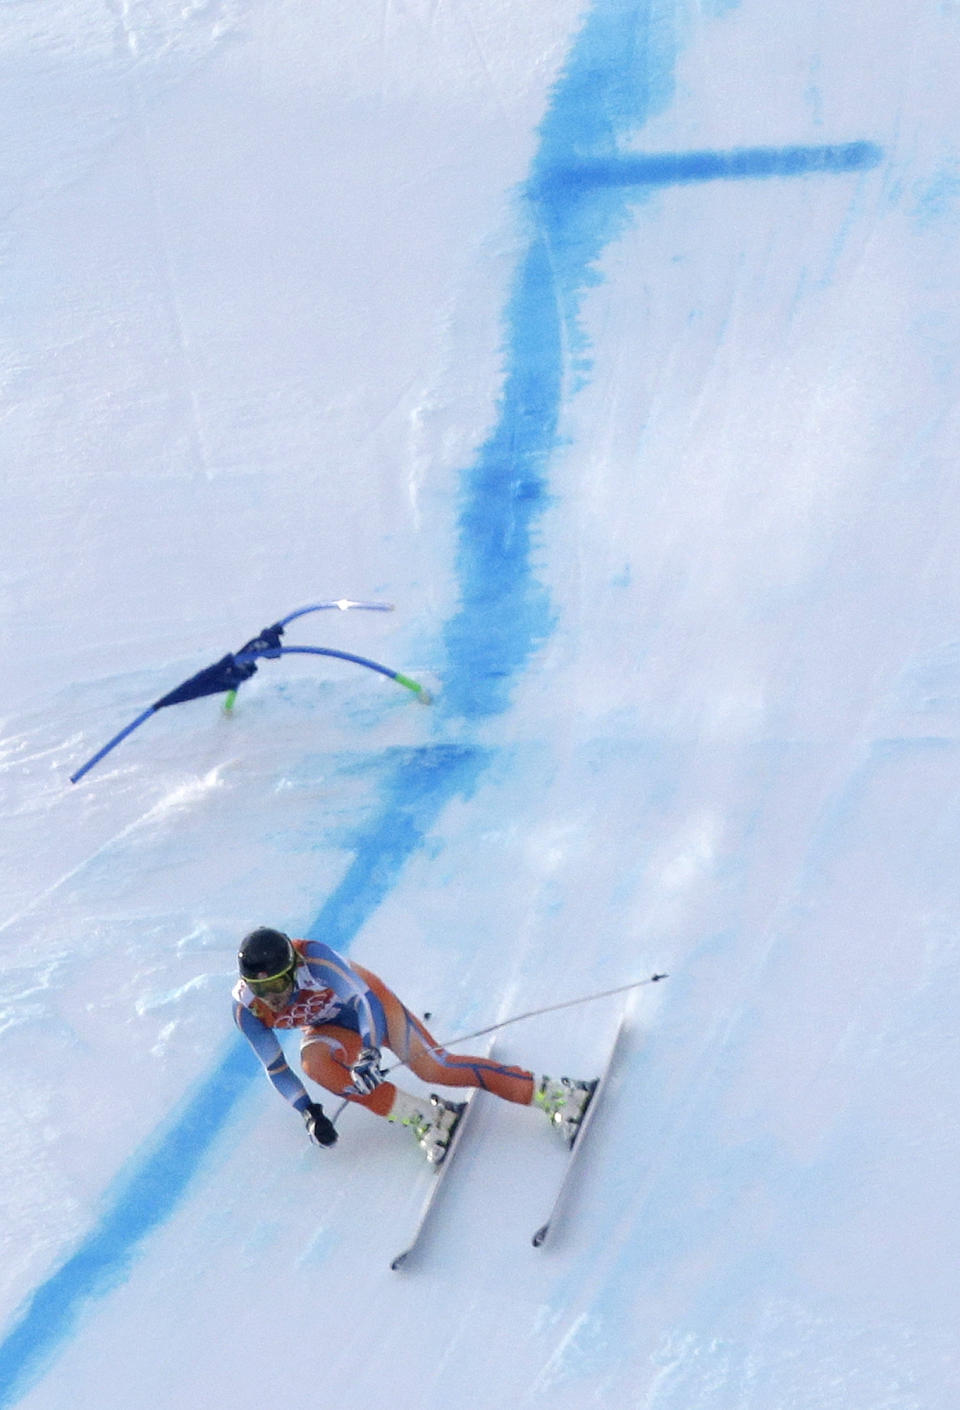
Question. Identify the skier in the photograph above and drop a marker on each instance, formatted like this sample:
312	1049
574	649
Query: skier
347	1015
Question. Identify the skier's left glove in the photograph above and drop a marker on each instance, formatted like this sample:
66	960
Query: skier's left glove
320	1128
366	1072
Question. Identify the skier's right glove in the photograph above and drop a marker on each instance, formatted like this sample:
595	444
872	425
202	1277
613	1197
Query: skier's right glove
320	1128
366	1072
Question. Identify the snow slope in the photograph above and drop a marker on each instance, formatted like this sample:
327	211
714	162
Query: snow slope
616	343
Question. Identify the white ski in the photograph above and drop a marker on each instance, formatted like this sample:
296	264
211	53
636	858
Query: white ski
540	1237
439	1175
440	1171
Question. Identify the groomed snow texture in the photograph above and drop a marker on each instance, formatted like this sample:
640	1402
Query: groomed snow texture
616	343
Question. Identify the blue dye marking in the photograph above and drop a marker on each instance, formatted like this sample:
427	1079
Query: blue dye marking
417	788
682	168
620	73
503	612
581	194
139	1201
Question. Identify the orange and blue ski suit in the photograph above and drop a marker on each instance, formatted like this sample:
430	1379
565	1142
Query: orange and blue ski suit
342	1008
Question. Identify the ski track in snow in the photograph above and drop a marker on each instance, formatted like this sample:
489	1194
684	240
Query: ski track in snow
582	193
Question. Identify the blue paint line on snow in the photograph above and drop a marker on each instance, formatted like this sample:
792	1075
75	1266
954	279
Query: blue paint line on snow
141	1199
684	168
417	790
504	612
581	194
418	785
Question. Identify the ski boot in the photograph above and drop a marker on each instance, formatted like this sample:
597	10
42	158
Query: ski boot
431	1119
565	1101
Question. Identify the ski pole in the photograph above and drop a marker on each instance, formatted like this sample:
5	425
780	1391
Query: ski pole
535	1013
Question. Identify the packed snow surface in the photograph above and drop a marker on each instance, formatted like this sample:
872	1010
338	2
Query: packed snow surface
616	344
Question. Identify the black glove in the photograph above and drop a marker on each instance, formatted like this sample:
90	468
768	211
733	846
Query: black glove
366	1072
320	1128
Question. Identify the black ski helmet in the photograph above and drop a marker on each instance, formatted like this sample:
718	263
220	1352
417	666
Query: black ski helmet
266	954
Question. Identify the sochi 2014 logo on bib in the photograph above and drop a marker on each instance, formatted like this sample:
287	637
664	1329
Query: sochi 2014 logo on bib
309	1010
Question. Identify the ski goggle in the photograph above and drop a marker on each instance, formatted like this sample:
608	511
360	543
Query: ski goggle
273	983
